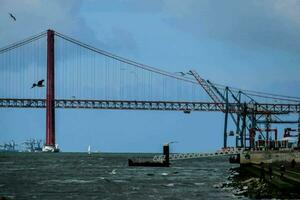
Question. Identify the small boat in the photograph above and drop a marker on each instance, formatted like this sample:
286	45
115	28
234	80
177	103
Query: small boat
89	149
132	163
47	148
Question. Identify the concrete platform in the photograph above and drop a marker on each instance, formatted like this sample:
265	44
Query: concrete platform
269	156
274	166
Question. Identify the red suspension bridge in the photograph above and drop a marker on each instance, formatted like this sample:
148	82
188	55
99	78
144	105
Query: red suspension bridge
80	76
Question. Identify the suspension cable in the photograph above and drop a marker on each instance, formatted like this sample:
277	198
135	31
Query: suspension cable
22	42
124	60
147	67
159	71
261	94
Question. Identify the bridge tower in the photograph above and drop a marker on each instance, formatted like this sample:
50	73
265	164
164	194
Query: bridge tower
50	107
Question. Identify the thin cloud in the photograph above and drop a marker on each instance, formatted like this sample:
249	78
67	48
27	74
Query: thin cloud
66	17
250	24
37	16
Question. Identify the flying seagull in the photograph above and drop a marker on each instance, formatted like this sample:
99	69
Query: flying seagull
13	17
38	84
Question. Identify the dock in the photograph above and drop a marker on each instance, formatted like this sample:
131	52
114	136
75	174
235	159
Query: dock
280	168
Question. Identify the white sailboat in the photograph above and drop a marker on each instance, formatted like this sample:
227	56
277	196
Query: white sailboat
89	149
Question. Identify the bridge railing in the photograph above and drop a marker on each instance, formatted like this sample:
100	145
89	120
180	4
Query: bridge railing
185	156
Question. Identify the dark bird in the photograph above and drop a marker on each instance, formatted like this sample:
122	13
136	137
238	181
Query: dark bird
13	17
38	84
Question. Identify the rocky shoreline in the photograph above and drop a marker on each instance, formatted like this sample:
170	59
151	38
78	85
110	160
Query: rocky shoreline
242	184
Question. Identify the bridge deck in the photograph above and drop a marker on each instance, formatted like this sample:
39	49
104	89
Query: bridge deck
149	105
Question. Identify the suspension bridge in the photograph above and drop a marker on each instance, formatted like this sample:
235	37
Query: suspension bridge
80	76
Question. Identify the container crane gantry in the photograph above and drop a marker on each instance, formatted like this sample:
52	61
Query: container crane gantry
247	112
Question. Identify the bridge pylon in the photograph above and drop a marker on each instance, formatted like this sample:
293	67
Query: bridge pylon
50	145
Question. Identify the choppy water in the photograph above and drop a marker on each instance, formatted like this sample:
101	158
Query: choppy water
107	176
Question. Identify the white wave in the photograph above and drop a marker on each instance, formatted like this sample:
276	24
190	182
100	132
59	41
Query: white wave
69	181
120	181
170	185
199	184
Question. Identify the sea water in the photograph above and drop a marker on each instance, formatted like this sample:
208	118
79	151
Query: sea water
107	176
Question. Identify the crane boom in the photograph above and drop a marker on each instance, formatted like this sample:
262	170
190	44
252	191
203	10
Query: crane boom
208	90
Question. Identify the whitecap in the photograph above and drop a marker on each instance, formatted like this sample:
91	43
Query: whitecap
135	188
77	181
69	181
170	185
119	181
227	188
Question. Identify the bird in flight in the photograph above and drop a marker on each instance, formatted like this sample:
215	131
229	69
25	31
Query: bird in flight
13	17
38	84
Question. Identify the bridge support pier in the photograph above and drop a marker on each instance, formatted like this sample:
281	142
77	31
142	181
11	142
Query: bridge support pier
50	145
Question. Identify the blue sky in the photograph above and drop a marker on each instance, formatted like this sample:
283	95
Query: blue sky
247	44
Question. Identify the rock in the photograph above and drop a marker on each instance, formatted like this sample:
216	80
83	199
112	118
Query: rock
238	192
248	180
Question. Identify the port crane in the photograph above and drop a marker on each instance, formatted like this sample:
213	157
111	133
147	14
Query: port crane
247	119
